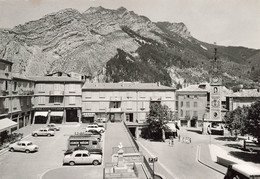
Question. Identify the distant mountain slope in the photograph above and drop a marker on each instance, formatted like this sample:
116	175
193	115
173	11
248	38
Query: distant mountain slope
115	45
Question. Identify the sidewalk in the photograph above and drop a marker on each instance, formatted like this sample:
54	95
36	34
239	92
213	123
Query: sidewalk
206	159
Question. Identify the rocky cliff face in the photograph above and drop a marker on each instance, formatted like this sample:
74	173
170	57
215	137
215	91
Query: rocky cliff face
96	41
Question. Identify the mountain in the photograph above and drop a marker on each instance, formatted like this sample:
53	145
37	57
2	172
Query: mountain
115	45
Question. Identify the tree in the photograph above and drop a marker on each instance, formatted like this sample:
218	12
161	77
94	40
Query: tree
157	119
253	120
236	120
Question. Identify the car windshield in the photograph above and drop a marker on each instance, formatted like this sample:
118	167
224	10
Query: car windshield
30	143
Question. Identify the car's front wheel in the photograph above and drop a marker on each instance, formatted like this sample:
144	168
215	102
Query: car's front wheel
101	131
95	162
35	135
11	149
71	163
27	151
48	135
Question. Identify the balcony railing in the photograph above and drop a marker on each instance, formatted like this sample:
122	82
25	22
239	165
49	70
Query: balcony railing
57	93
115	98
155	98
115	110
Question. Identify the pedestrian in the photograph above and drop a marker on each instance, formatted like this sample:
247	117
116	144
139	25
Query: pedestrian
172	141
190	140
179	137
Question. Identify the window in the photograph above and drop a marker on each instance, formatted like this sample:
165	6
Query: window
41	88
94	142
41	100
187	113
84	155
181	113
28	101
78	155
102	95
56	87
181	103
71	88
187	104
15	86
195	104
72	100
195	113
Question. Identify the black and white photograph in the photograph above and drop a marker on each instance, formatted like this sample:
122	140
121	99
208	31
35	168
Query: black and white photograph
129	89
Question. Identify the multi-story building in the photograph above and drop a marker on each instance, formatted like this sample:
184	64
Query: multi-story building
244	97
16	92
22	99
124	101
192	105
57	99
5	96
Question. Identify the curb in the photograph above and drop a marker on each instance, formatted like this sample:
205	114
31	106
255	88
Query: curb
203	163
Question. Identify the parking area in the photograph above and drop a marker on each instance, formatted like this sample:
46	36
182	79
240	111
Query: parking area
48	160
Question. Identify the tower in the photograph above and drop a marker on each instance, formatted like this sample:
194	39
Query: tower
215	89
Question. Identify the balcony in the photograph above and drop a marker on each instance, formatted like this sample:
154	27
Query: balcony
115	98
155	98
115	110
56	93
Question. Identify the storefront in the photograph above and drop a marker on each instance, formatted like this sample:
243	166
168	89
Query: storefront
88	117
56	117
40	117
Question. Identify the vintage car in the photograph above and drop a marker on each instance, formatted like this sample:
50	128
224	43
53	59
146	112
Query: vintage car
53	126
95	127
43	132
24	146
82	157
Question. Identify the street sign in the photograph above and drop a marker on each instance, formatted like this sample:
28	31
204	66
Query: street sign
152	160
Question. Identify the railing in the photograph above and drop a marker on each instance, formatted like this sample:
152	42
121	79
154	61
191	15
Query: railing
147	165
132	138
58	93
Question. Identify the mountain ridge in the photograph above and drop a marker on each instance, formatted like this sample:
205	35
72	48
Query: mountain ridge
89	42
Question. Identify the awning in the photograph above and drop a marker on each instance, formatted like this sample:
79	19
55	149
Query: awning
88	114
6	124
56	113
41	113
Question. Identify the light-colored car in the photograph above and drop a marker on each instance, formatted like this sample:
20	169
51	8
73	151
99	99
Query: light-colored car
82	157
24	146
53	126
43	132
95	127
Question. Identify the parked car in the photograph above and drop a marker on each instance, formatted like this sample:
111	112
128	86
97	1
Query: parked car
82	157
92	151
53	126
95	127
24	146
43	132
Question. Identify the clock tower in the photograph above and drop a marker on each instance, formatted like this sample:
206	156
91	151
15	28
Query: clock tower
215	89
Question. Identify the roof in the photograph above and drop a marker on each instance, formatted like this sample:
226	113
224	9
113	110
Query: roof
246	93
55	79
21	76
6	61
126	86
192	88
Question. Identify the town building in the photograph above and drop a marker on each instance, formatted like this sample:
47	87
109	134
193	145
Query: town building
123	101
244	97
192	105
16	93
57	99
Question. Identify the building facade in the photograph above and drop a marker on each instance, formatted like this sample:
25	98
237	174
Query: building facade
57	99
244	97
16	94
124	101
192	105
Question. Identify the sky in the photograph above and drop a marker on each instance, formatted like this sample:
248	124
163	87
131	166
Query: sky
226	22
